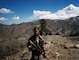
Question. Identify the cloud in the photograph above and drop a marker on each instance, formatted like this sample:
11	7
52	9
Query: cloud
41	13
65	13
5	11
3	18
16	18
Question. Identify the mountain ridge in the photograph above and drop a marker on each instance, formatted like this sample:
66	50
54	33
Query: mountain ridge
53	25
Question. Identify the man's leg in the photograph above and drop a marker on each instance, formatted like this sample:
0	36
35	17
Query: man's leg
34	56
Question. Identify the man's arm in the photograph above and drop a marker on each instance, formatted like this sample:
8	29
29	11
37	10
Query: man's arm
29	46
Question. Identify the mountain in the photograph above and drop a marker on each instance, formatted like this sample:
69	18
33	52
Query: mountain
70	7
68	27
13	38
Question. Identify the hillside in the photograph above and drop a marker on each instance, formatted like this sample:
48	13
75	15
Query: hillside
54	49
13	38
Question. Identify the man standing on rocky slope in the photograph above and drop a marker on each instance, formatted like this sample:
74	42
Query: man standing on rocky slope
35	44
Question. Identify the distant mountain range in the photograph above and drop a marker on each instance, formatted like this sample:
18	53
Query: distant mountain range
68	27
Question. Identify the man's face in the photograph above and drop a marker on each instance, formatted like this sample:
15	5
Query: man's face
37	32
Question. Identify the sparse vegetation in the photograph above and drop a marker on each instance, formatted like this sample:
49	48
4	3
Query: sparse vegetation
44	28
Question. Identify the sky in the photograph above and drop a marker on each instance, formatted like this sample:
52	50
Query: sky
18	11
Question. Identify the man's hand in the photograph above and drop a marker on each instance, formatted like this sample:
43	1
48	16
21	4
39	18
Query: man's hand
44	55
30	46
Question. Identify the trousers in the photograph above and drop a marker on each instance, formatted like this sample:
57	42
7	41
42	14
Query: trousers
35	55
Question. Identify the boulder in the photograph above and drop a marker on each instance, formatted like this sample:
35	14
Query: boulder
77	45
68	45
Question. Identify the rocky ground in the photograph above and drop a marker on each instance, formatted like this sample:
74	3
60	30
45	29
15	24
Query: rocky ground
56	48
61	48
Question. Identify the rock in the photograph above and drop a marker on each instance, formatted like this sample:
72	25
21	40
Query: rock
68	45
77	45
58	55
48	45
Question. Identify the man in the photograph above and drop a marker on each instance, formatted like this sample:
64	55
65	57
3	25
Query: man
33	43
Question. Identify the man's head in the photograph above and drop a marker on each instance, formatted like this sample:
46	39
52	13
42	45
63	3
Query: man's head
36	30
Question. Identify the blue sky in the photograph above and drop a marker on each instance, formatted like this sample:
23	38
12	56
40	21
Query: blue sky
18	11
